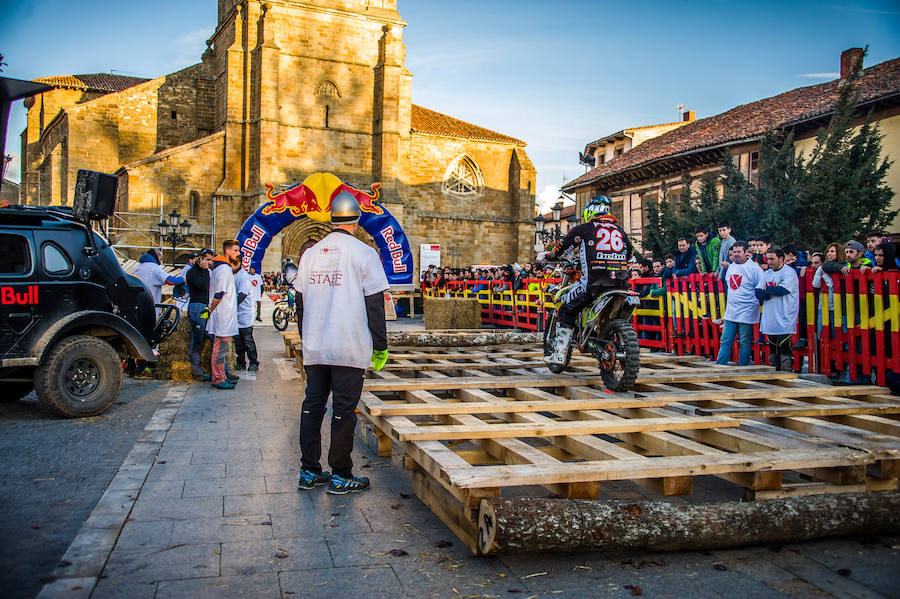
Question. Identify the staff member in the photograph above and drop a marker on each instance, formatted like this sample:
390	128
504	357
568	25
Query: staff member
340	304
222	325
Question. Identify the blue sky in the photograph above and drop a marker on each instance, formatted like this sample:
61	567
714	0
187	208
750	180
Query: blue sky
556	74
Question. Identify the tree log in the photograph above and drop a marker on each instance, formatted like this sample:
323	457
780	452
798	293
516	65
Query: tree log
533	524
461	338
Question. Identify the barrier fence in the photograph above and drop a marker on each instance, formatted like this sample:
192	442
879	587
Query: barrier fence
852	325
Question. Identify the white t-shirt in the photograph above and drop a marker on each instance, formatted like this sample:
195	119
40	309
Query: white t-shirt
334	277
153	276
779	312
741	304
223	320
256	284
246	310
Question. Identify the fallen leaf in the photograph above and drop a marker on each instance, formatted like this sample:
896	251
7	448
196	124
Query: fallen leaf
265	524
334	525
395	506
720	567
404	496
335	513
637	591
660	563
36	526
214	421
64	563
443	543
627	586
398	552
514	590
48	579
282	554
845	572
501	575
160	461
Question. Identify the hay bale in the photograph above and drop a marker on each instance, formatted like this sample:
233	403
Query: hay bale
175	350
452	313
181	372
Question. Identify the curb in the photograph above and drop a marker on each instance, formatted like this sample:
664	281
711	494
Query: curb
90	550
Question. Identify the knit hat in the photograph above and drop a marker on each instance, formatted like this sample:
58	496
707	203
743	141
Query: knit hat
855	245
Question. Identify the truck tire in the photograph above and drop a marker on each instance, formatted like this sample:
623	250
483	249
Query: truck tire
81	376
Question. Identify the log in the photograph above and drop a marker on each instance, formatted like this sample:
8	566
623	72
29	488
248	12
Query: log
514	525
464	338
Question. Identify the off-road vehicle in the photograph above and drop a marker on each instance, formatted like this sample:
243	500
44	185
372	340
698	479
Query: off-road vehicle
69	314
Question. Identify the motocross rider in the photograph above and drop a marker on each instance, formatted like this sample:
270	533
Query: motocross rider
604	253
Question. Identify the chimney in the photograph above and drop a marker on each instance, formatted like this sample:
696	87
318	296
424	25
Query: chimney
689	116
849	60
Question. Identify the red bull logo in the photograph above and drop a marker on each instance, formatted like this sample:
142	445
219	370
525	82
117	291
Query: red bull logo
313	197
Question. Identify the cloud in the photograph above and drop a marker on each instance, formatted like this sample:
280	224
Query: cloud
189	47
547	196
819	75
868	11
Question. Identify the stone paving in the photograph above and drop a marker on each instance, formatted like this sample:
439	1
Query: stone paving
217	514
54	471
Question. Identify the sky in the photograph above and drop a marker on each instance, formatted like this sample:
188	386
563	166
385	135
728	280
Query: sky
556	74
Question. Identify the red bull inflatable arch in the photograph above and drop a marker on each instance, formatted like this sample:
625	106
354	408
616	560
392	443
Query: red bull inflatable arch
312	199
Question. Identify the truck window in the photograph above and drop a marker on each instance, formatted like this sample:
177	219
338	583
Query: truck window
55	260
15	255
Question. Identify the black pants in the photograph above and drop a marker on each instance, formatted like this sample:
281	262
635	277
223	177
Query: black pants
345	385
780	354
245	345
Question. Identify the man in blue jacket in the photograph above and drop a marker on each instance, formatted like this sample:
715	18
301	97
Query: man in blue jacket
684	258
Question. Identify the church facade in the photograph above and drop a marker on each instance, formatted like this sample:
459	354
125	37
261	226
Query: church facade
285	89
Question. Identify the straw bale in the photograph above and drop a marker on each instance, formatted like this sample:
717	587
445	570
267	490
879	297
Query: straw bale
452	313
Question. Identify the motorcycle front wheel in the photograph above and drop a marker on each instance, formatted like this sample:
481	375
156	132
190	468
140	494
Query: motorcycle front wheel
620	355
550	341
280	319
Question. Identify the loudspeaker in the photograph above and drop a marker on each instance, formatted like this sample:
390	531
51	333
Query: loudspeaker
95	195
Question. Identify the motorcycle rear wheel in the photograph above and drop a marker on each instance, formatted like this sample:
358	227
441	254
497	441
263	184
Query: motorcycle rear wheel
622	370
550	341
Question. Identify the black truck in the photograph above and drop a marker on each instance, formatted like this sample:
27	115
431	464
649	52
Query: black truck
69	313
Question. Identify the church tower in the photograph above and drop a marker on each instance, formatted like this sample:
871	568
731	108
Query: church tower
308	86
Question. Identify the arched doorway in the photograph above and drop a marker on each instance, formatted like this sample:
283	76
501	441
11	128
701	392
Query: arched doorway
299	232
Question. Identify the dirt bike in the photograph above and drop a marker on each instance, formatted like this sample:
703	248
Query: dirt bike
602	330
284	312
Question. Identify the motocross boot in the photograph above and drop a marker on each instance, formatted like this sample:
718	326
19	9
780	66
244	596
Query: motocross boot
563	338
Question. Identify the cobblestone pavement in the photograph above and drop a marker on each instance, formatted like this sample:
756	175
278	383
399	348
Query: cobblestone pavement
219	515
52	475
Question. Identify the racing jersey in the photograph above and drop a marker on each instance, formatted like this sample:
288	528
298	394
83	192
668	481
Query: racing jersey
604	249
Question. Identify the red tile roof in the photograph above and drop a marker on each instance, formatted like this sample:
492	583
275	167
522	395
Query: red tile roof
435	123
93	82
748	121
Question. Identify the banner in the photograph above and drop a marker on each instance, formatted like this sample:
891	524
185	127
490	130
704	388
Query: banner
312	199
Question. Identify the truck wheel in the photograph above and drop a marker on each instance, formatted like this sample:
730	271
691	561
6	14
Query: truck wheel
81	376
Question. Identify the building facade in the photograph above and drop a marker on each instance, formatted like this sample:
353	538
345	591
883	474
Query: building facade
636	180
286	88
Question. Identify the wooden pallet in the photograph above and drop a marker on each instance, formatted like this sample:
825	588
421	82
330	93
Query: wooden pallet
473	422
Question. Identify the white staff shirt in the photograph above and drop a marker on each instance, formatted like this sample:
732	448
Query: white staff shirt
246	310
779	312
256	284
334	277
741	304
223	320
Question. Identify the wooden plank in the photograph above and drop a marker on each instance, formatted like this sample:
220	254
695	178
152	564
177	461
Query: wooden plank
507	382
513	430
494	476
784	412
510	407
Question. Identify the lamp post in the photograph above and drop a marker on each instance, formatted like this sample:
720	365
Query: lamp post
540	222
177	234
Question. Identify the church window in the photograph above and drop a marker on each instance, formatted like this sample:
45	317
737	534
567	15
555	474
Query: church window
326	115
463	179
174	116
194	204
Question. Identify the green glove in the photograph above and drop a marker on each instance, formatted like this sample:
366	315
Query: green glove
379	357
204	314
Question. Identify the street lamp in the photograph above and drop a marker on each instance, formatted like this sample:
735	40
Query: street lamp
540	222
178	233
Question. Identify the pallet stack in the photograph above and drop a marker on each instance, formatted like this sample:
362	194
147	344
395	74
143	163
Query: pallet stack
476	423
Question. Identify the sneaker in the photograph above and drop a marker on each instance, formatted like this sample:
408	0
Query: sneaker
801	344
239	367
311	480
342	486
202	376
232	378
145	374
223	385
253	368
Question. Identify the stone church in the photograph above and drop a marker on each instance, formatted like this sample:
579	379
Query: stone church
285	89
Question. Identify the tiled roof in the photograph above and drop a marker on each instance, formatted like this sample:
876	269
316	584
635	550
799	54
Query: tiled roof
630	131
749	121
429	121
93	82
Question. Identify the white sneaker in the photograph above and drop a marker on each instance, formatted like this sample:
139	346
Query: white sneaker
563	338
